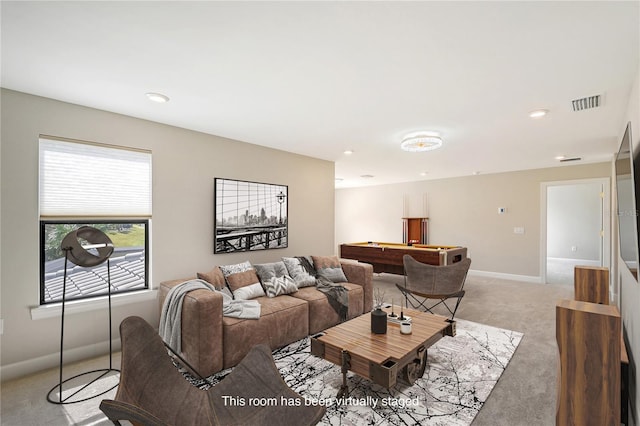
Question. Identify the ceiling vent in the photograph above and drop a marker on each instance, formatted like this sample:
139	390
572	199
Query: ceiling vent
586	103
565	160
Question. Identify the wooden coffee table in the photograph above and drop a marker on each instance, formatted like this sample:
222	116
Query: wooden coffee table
380	357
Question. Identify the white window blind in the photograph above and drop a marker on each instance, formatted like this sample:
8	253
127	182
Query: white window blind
82	179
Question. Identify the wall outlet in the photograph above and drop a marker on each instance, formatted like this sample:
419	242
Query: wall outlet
518	230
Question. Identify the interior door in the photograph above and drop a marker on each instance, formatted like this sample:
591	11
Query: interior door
575	228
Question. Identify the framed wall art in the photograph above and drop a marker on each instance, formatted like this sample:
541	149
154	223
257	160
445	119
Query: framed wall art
249	216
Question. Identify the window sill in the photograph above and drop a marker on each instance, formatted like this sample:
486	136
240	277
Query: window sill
87	305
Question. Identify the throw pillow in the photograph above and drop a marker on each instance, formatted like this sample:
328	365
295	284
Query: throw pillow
266	271
329	267
213	277
275	279
233	269
280	285
303	275
245	285
249	292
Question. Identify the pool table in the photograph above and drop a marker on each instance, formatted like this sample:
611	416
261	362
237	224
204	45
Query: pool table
387	257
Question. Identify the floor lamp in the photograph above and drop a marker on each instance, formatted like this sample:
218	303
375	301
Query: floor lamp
97	249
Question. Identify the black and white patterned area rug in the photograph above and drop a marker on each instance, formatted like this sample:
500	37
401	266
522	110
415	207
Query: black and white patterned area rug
461	372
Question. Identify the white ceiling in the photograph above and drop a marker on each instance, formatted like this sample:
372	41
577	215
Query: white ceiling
317	78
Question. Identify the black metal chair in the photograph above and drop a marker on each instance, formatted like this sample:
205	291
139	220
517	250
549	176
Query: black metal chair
424	284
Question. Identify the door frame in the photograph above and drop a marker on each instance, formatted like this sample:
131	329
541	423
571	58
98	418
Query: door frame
606	221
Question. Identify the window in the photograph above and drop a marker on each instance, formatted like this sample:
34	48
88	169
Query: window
128	263
103	186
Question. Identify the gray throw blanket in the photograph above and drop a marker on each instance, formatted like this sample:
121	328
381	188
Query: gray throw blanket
171	316
336	294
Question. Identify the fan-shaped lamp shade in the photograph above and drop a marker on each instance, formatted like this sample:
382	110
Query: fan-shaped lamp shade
84	255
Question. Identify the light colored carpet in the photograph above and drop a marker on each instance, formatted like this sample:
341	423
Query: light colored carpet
561	271
461	372
526	392
24	400
524	395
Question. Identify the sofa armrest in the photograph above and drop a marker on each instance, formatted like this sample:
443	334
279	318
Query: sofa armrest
165	287
361	274
202	339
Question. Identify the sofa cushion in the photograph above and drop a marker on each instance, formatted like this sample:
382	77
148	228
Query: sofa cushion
330	268
301	276
245	285
213	277
283	319
321	314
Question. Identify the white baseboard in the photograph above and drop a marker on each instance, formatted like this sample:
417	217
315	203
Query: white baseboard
30	366
501	275
574	261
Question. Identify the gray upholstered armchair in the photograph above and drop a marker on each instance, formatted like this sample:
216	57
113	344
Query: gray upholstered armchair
153	392
427	286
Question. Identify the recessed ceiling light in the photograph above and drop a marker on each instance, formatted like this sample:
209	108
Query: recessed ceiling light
157	97
560	157
539	113
476	173
423	173
348	152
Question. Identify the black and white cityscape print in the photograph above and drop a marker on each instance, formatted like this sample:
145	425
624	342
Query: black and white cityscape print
249	216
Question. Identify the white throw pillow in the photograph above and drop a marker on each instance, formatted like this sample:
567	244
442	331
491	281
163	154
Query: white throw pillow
249	292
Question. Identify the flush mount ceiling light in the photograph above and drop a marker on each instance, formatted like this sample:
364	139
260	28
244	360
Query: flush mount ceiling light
421	141
157	97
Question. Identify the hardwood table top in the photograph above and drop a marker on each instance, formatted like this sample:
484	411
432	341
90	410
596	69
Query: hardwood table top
355	336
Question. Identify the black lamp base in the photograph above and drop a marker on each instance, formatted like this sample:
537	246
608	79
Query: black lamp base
76	395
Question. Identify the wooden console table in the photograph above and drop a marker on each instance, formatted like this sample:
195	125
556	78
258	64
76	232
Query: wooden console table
588	337
591	284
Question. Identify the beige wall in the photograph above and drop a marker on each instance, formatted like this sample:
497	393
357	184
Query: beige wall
462	211
184	166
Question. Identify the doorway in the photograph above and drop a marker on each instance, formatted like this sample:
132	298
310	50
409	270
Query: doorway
575	231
